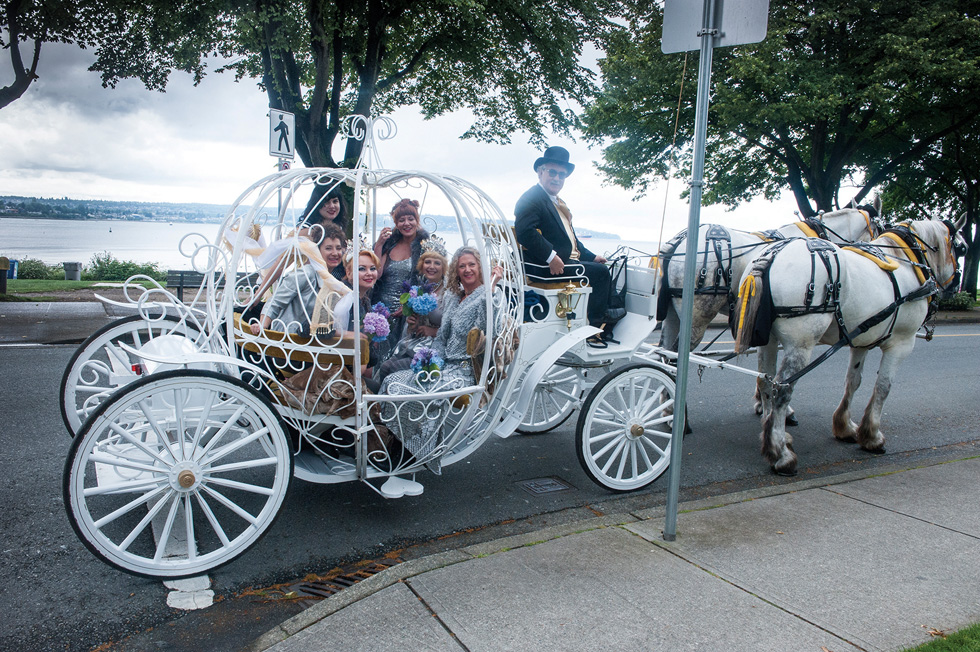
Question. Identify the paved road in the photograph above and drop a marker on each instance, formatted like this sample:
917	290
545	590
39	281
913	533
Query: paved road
57	595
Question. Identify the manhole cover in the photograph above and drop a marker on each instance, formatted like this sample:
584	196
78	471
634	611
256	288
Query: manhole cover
540	486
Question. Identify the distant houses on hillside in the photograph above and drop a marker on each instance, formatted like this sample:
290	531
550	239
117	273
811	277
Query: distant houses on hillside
80	209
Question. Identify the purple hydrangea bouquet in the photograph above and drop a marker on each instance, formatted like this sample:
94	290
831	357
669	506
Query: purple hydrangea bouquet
376	323
418	299
427	360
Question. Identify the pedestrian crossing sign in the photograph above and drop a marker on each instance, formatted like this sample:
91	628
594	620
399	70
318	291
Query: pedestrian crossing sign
282	134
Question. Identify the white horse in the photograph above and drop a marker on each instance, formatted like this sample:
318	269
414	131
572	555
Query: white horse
721	267
818	297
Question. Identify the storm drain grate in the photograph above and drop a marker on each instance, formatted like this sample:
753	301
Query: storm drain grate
539	486
319	589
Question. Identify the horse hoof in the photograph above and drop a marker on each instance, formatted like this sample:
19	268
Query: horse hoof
876	451
791	420
846	439
786	473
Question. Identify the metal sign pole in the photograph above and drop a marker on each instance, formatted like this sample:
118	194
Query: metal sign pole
707	35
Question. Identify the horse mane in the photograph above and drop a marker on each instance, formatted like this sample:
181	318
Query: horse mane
936	235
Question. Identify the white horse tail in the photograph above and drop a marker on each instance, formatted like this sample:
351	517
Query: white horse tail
747	307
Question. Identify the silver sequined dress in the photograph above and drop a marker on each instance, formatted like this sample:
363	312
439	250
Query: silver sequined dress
421	436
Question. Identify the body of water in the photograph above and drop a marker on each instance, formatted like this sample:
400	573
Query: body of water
59	241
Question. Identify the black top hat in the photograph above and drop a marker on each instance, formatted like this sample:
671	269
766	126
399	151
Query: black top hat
557	155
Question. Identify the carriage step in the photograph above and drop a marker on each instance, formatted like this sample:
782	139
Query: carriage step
395	487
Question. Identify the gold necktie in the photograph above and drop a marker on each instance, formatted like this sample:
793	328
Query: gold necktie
567	222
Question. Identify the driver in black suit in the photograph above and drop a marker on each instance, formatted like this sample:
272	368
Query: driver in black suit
543	225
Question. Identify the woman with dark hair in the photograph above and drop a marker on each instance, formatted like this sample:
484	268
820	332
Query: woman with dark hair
399	251
327	204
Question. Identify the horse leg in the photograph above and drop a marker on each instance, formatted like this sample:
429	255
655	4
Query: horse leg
671	327
766	365
869	435
844	429
767	357
777	444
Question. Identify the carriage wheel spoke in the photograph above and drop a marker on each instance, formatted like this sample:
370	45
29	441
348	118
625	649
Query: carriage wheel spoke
242	486
128	436
615	454
157	429
128	507
601	437
224	500
168	527
213	520
570	396
126	487
232	447
652	407
203	421
180	395
648	417
642	449
153	511
189	528
623	457
124	463
222	431
647	443
245	464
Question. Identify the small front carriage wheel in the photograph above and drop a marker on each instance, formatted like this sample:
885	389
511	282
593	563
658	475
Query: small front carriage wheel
177	474
100	366
623	436
555	398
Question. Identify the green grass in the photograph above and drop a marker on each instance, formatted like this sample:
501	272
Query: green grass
965	640
17	287
20	286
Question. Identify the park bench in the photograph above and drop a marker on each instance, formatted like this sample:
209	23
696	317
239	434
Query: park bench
178	279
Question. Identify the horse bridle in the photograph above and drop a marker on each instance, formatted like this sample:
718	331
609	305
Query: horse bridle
916	244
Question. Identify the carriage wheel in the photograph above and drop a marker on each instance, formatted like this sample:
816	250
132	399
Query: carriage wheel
555	398
623	436
88	379
179	473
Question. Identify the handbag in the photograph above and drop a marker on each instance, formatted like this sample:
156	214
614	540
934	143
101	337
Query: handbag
616	308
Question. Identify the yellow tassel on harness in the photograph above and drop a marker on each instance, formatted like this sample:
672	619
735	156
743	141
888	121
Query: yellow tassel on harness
746	292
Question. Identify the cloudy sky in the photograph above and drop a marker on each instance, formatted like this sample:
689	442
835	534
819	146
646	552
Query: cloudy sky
68	136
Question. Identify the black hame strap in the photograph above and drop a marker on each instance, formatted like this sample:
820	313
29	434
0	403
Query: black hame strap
925	290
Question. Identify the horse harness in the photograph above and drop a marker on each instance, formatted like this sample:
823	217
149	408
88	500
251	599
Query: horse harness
718	250
908	242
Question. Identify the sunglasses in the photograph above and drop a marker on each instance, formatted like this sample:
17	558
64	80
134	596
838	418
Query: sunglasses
561	174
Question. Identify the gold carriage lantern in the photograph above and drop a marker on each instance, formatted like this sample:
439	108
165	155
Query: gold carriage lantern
568	299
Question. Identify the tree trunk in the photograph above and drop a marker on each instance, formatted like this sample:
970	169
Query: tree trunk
23	78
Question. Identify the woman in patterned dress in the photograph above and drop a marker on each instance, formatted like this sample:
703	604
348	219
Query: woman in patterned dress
464	307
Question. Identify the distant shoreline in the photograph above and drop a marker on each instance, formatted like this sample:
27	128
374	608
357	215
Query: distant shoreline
585	232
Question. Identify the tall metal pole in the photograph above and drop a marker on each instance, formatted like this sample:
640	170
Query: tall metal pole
707	35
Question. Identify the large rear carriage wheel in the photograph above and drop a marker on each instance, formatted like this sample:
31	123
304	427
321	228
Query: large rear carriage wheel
178	474
623	436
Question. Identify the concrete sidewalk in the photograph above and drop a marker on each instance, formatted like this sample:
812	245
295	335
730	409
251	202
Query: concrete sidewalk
847	563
